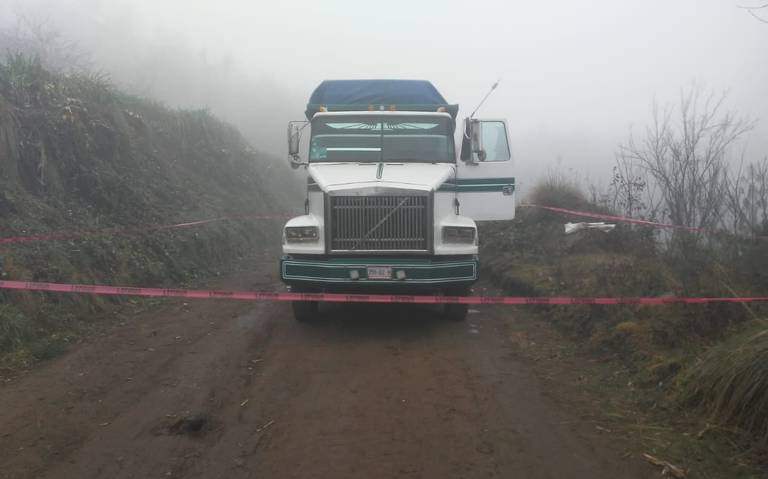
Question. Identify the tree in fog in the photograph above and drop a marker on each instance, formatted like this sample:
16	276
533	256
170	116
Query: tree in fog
37	38
631	190
746	198
685	153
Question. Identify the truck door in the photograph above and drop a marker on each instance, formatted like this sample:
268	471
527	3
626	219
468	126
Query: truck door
484	182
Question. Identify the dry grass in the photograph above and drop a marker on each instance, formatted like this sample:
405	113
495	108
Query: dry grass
730	383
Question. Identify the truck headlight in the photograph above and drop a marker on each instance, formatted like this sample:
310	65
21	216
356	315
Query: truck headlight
459	234
301	234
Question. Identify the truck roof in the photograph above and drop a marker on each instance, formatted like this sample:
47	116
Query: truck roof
365	95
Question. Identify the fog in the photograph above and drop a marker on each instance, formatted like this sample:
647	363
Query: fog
575	76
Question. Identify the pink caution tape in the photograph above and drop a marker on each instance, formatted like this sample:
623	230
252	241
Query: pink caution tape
359	298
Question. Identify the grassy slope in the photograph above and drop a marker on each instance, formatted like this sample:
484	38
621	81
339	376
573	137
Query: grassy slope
77	154
672	354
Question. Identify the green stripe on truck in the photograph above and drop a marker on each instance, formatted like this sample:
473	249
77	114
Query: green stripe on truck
478	185
338	271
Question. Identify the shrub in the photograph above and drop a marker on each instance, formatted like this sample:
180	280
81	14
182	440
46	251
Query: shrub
559	191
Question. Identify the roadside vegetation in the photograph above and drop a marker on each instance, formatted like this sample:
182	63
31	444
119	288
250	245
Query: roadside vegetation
709	359
77	154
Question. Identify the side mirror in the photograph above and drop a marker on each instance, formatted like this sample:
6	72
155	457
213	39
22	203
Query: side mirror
472	142
294	142
476	138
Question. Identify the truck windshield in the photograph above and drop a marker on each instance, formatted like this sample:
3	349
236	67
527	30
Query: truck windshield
382	138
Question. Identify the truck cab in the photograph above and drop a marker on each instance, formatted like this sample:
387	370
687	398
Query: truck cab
391	201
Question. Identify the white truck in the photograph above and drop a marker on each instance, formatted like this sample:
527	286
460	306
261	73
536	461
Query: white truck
390	205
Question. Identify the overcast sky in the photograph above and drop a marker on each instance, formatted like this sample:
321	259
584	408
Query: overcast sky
575	75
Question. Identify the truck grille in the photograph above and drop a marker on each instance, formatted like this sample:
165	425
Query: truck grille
376	223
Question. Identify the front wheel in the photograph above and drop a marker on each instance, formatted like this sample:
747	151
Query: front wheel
456	311
306	311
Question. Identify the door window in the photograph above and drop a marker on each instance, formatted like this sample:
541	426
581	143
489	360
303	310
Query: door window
495	141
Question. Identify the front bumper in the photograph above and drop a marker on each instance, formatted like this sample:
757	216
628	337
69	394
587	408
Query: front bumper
329	273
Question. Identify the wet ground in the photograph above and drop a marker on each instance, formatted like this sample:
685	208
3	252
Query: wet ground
214	389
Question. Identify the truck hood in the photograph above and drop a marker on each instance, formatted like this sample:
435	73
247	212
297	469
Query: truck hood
332	177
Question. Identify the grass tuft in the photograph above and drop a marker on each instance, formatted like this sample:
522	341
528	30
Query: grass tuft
730	383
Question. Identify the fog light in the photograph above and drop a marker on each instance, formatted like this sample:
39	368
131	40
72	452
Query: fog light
354	274
400	274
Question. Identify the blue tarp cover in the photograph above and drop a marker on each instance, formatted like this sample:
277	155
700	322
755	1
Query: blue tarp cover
356	93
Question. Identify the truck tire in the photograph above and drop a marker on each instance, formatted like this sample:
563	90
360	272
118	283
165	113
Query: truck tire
457	312
306	311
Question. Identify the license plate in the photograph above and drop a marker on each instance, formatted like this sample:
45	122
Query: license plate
379	272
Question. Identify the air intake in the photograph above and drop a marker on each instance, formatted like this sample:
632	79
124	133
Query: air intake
379	223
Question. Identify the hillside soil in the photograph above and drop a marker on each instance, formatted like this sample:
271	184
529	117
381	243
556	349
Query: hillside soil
227	389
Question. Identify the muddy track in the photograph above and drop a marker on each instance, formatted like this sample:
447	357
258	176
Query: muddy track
371	392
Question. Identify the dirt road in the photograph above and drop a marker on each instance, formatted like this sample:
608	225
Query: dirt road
372	392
